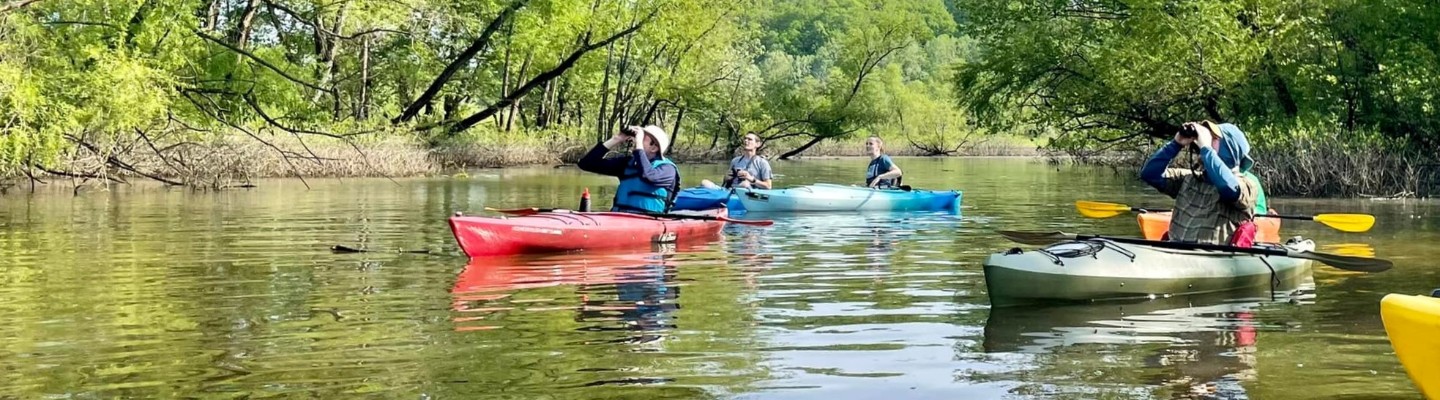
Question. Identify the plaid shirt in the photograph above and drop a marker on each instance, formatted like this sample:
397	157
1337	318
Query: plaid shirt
1199	215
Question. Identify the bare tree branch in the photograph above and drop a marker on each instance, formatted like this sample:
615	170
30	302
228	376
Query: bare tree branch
116	162
294	14
261	61
547	75
365	158
478	45
284	154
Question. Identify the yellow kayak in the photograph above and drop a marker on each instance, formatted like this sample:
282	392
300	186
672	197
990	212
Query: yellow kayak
1413	325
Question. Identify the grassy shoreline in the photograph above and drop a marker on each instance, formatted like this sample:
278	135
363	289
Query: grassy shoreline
236	161
1302	168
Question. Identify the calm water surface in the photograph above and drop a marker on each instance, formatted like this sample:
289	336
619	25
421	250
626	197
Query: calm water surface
148	292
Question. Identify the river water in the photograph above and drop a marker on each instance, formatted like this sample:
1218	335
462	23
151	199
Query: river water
143	291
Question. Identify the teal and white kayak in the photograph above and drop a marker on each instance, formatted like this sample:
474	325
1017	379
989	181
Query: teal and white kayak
1099	269
829	197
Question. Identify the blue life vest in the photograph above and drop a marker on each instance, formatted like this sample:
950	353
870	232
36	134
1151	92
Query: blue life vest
636	195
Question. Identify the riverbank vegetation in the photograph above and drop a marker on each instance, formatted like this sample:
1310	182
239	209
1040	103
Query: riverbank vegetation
1339	97
213	93
170	89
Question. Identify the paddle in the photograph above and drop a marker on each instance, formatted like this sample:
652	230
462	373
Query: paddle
1342	222
533	211
1349	263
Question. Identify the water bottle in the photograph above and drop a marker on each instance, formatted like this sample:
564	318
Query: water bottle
585	200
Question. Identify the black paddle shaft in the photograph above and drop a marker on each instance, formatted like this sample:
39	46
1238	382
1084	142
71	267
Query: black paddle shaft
1295	217
1189	246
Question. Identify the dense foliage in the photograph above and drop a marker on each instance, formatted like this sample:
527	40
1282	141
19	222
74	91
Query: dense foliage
117	81
1105	71
117	76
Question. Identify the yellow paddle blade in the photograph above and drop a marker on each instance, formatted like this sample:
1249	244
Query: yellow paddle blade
1095	209
1347	222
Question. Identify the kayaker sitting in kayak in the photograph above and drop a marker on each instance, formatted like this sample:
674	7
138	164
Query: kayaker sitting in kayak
748	170
648	180
1213	203
882	172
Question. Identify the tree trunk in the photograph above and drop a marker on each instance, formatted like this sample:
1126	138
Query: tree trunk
1212	108
449	104
546	76
675	132
505	74
212	16
600	130
240	36
362	112
621	103
459	62
715	139
541	116
402	84
333	68
654	106
514	107
1282	90
579	115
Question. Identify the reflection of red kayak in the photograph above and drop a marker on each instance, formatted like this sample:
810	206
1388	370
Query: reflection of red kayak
491	278
568	231
487	284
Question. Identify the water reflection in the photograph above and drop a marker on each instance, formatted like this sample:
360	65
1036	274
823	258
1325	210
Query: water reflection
613	291
1199	346
1348	249
613	298
171	293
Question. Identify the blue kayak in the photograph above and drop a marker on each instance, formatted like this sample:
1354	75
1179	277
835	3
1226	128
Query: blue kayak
828	197
699	198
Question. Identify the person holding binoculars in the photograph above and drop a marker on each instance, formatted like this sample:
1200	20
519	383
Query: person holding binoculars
649	181
1216	197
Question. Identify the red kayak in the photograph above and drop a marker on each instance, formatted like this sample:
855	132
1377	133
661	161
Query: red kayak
568	231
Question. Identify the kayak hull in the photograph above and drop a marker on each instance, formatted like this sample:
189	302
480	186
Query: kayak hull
1413	325
1104	270
1154	225
830	198
571	231
699	198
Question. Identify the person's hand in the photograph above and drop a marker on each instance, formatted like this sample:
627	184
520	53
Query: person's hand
1182	140
1205	137
626	134
875	184
743	174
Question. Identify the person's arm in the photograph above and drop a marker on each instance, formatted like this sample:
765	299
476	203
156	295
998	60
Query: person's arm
1221	176
595	160
763	175
663	176
1156	171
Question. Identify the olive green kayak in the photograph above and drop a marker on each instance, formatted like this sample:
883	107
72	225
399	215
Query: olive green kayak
1099	269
